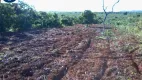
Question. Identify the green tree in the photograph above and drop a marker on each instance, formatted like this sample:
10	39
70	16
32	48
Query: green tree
67	21
88	17
56	21
6	17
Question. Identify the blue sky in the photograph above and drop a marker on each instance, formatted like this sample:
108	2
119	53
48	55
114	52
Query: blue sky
81	5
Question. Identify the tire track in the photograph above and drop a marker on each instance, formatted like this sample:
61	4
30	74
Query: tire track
75	58
102	70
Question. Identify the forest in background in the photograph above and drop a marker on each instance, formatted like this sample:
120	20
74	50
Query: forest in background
20	17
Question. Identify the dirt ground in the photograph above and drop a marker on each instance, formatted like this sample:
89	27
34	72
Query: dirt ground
70	53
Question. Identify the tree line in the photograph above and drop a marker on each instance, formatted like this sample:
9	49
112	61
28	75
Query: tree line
20	17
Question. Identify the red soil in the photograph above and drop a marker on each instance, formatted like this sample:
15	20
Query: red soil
71	53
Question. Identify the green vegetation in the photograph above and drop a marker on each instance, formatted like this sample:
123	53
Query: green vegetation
20	17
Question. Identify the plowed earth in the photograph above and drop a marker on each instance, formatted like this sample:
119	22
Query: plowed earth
71	53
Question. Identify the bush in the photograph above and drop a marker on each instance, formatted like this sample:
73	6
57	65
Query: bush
125	13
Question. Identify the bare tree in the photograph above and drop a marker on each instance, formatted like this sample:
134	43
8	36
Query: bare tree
107	13
104	26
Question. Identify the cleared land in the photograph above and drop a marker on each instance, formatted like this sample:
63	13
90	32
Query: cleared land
70	53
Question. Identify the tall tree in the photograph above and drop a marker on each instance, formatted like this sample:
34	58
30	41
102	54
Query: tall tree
88	17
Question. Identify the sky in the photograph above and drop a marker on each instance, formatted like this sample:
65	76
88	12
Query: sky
81	5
